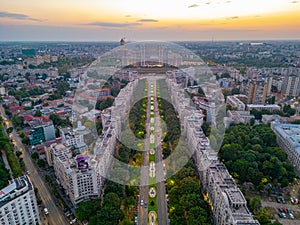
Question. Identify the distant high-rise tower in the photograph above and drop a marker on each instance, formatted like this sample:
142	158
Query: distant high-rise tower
257	92
291	86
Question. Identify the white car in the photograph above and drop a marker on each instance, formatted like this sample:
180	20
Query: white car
142	202
73	221
46	211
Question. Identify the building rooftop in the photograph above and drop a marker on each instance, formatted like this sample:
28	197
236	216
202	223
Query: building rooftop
16	188
290	132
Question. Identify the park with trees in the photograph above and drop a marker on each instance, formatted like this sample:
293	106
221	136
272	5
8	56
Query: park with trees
251	154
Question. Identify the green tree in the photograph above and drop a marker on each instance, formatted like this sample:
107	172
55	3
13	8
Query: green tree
235	91
9	130
38	113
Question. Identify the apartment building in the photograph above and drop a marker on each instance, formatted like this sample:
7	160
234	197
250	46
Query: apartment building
291	86
288	139
235	117
78	176
260	107
228	204
74	137
18	203
257	92
235	102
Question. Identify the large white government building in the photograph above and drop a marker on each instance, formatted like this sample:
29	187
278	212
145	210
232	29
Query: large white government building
18	203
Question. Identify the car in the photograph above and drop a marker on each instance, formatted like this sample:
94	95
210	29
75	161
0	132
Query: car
282	215
142	202
292	201
280	210
145	205
46	211
284	210
291	216
288	210
135	219
69	213
73	221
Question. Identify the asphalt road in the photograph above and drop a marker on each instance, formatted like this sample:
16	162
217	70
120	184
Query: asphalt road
161	187
56	216
143	212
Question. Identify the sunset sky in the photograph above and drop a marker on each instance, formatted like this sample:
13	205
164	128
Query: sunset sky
109	20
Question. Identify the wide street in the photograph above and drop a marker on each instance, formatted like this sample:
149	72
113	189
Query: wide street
162	211
160	176
56	215
143	212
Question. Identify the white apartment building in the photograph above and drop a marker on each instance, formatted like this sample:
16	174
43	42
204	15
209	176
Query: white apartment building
263	107
288	139
228	204
18	203
74	137
234	117
234	102
78	176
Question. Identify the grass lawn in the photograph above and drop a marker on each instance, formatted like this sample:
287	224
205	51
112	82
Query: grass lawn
152	158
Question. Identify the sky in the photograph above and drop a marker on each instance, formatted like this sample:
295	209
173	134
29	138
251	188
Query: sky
136	20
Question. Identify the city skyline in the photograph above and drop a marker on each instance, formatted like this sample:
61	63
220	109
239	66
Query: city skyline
142	20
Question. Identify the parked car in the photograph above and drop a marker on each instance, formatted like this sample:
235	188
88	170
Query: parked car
282	215
46	211
73	221
284	210
291	216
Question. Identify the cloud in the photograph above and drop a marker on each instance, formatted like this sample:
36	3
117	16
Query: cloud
147	21
207	3
127	15
193	6
295	2
17	16
108	24
232	18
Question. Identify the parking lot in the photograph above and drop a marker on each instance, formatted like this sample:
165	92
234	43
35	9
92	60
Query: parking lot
273	207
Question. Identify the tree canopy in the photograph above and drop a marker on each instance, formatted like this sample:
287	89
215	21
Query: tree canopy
252	155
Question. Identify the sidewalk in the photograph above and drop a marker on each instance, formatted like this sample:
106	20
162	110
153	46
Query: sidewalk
6	163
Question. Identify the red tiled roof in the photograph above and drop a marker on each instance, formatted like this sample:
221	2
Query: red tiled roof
30	118
14	108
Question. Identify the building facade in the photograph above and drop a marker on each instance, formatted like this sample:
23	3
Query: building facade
227	202
78	176
257	92
234	102
18	203
288	139
291	86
